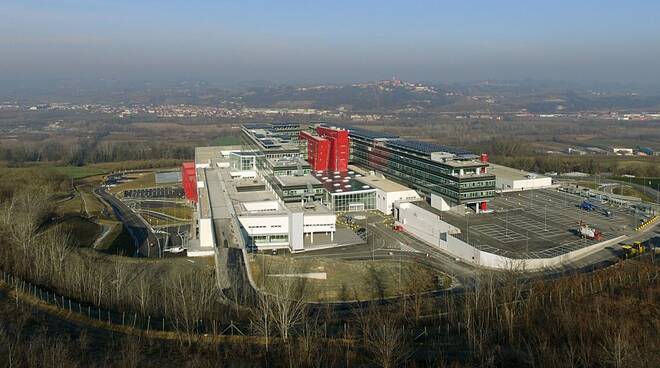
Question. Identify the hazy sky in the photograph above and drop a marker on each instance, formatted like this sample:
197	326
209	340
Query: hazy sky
331	41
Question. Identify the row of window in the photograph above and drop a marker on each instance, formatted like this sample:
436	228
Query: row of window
263	226
265	239
479	194
476	184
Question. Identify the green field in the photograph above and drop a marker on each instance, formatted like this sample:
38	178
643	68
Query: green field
77	172
653	183
632	192
347	280
228	140
182	212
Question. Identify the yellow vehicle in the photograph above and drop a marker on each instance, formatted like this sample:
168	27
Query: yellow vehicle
634	249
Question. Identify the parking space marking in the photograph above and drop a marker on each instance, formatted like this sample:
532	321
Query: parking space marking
499	233
536	227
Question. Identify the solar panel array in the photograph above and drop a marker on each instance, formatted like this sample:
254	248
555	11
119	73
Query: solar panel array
369	133
426	147
285	125
269	143
257	125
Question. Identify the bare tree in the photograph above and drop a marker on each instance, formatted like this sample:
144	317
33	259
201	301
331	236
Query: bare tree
287	306
384	337
261	320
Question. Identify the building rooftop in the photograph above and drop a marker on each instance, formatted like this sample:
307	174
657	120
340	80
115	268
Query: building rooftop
427	147
309	208
336	182
302	180
382	183
204	155
273	136
508	173
370	134
288	162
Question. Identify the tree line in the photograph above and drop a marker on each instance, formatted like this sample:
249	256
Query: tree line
609	318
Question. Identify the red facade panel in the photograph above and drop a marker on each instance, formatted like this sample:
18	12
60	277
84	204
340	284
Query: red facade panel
339	147
329	150
189	180
318	151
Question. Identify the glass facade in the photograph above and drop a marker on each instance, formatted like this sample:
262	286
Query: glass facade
352	201
243	160
268	239
462	182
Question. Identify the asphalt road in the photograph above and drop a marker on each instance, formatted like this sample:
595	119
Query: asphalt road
146	243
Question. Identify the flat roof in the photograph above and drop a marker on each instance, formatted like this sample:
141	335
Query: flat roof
204	155
288	161
511	173
311	208
427	147
337	183
464	163
302	180
383	184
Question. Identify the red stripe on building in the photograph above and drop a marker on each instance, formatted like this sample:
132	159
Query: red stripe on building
189	180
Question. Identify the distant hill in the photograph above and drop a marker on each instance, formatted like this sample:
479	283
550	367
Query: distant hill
384	95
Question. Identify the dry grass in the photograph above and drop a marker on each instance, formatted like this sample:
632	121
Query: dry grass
347	280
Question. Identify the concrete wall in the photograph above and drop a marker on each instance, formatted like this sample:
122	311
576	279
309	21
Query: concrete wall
528	183
439	203
422	222
206	236
385	200
296	222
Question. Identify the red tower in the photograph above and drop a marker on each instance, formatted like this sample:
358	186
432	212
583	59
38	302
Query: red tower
329	150
339	147
189	180
318	151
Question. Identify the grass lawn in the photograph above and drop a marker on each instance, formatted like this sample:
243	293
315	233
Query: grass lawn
587	184
652	183
137	181
77	172
153	221
628	191
347	280
181	212
227	140
83	231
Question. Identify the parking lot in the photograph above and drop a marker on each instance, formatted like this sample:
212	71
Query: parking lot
538	224
168	192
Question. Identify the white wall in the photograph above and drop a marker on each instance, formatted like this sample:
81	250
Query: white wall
206	236
320	223
265	225
423	223
439	203
385	200
296	223
261	206
243	174
528	183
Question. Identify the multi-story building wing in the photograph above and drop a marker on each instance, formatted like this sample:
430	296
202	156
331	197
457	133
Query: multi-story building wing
448	176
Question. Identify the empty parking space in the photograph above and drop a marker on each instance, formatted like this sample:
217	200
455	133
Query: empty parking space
502	234
541	223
